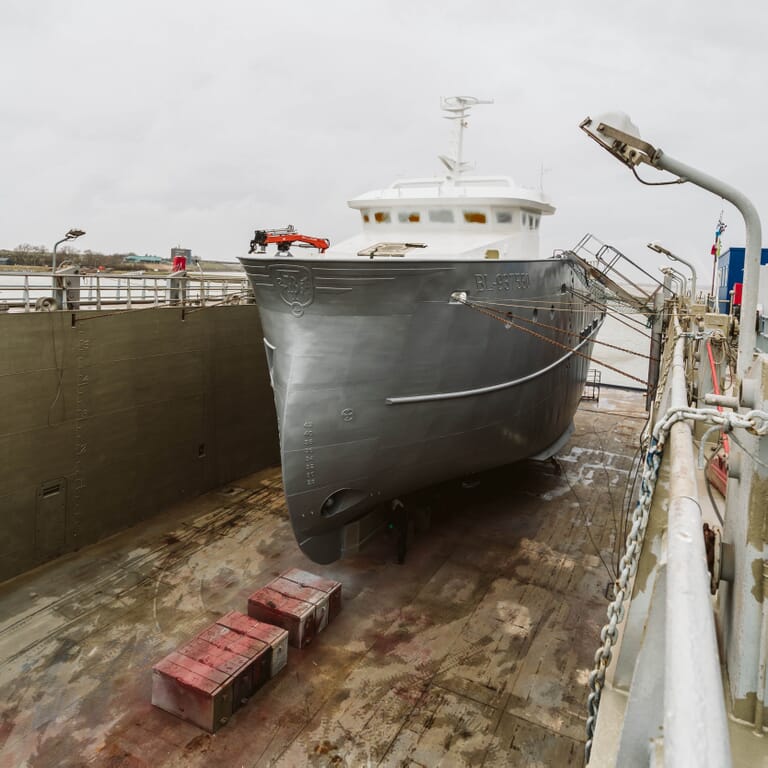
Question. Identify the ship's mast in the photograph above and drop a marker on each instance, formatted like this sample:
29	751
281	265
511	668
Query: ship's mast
458	109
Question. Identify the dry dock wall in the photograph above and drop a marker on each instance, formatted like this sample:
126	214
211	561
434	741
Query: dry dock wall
106	418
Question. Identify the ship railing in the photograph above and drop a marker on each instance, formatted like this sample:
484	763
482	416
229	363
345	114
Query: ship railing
666	685
693	689
631	283
24	291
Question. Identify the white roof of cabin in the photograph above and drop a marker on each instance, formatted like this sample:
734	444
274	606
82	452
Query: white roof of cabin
480	190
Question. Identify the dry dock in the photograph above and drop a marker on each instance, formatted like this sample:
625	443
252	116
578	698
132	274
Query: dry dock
473	652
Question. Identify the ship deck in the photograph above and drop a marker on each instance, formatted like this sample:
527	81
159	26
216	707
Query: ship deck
475	651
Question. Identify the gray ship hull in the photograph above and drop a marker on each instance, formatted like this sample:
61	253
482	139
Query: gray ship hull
383	385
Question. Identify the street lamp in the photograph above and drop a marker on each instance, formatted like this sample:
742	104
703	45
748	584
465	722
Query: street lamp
73	234
616	133
661	249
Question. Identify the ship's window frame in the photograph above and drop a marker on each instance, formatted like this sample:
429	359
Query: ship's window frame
502	213
529	220
366	214
409	217
382	217
474	217
441	215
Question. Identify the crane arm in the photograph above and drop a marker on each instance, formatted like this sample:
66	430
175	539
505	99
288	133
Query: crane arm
285	238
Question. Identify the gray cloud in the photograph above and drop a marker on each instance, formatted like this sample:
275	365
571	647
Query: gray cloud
151	124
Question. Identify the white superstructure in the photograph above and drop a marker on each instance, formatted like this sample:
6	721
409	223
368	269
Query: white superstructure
460	215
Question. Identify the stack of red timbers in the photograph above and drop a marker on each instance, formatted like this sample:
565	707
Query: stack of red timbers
208	679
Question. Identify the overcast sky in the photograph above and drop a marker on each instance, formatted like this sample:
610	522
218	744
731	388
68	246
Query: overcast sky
151	124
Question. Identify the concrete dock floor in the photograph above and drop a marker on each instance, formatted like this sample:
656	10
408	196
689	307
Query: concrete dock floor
473	652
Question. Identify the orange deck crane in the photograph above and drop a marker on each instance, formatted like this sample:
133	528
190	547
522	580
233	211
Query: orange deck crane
285	238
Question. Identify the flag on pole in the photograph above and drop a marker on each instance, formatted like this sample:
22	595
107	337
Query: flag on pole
721	226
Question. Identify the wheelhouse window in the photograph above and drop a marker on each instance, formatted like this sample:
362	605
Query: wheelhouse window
366	214
530	220
441	215
382	217
408	216
504	216
475	217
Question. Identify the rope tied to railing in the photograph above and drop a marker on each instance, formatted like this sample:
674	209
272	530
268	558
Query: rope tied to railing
755	422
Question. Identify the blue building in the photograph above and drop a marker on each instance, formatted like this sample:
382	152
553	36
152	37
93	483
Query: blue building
730	270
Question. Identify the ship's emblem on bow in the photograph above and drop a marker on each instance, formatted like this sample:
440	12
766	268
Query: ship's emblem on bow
296	286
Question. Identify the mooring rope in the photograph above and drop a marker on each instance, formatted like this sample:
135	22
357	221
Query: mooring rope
501	318
570	333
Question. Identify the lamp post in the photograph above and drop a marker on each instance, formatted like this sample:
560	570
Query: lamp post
692	687
73	234
661	249
616	133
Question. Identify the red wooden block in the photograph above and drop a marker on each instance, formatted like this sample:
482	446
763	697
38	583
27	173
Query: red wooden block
203	670
294	615
275	637
256	650
308	594
330	587
202	699
235	665
231	640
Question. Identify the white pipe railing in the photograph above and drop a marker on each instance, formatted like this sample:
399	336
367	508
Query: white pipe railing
695	720
21	291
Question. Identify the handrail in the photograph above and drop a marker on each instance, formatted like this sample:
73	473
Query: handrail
676	705
695	721
27	291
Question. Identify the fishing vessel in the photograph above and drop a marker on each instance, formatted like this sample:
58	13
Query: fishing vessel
434	344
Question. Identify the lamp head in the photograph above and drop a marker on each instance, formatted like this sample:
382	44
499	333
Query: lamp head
615	132
659	248
74	234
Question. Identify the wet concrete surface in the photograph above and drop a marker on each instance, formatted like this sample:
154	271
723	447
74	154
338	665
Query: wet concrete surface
474	652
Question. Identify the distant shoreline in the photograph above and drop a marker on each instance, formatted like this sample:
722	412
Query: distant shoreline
206	266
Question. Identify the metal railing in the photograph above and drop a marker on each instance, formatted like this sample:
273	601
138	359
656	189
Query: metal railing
693	690
675	703
67	289
626	278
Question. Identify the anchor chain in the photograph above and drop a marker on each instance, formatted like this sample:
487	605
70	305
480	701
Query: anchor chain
755	422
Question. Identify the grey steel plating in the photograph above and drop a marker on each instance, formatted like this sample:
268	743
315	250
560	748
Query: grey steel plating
384	384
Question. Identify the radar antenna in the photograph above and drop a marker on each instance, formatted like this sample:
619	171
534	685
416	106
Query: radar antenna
458	108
